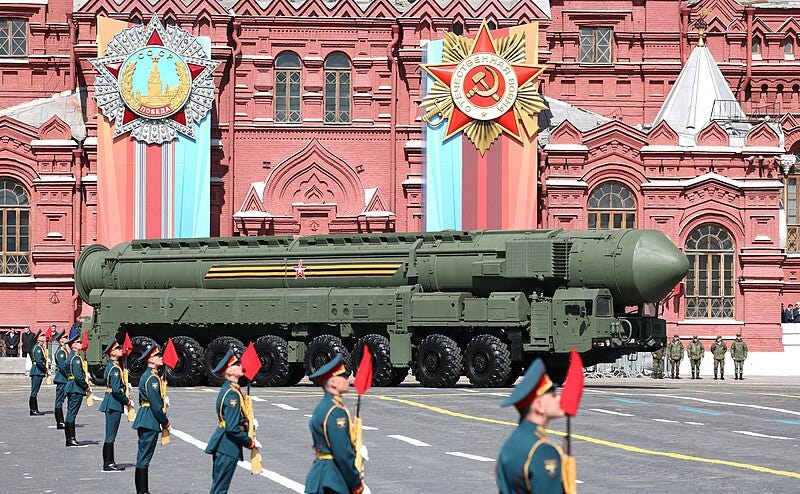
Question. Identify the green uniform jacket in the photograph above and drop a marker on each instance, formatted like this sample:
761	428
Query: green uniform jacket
76	379
718	348
39	367
330	432
61	366
529	462
231	435
151	415
659	354
115	398
695	350
739	350
675	350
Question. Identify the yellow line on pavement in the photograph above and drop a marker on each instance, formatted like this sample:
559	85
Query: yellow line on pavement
602	442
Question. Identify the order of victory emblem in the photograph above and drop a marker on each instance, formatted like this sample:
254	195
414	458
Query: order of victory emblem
483	88
154	81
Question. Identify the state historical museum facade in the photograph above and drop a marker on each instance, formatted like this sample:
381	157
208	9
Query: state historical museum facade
316	128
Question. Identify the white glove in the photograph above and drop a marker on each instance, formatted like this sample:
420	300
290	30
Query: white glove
255	423
258	443
364	452
366	490
166	401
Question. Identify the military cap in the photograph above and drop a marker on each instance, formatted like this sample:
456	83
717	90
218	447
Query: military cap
333	368
228	360
149	351
719	337
111	345
534	384
58	335
694	337
72	339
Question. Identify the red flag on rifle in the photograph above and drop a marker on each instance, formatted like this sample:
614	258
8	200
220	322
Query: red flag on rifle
251	364
363	380
573	385
170	356
85	341
127	346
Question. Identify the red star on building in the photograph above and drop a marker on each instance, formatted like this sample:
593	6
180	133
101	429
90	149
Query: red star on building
300	270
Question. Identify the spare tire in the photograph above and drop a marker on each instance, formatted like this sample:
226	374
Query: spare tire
273	351
214	353
135	366
322	349
189	369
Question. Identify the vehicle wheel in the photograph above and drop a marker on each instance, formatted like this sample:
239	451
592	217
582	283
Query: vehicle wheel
297	371
488	361
322	349
517	368
214	353
96	372
399	375
136	367
273	351
438	362
378	345
189	369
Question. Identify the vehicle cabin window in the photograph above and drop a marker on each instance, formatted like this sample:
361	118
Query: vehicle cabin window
576	308
604	307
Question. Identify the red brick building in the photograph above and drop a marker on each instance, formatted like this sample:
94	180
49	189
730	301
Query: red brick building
317	129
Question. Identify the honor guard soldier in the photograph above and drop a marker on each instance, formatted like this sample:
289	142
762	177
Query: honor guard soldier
39	370
114	403
151	420
528	460
231	436
334	468
61	377
76	388
738	354
718	349
696	352
675	352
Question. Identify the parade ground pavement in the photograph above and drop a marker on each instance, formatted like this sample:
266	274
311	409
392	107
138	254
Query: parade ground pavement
630	436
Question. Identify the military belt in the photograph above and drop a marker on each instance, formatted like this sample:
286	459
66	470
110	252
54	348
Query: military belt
323	456
71	378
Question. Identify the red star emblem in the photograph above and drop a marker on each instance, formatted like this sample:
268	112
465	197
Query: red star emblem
300	270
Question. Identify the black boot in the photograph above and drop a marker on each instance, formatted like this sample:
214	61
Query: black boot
722	375
141	481
59	413
715	376
108	459
33	404
69	430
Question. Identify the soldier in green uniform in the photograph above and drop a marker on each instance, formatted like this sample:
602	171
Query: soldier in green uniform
738	353
696	351
76	388
334	469
114	403
528	461
231	435
38	371
718	348
675	352
658	364
151	420
61	377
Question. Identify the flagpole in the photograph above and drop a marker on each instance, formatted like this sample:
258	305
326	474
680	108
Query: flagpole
568	442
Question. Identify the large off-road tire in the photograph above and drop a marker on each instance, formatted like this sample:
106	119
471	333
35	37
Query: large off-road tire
189	369
273	351
322	349
517	368
137	367
96	372
214	353
382	372
297	371
438	362
487	361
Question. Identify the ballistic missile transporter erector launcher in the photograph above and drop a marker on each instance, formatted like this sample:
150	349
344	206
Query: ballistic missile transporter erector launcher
444	304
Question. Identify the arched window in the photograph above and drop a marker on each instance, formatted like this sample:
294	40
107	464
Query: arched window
709	283
337	88
15	210
287	88
611	206
792	206
755	51
788	48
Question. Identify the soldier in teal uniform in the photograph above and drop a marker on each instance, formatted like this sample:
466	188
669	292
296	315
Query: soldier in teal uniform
151	419
333	470
114	403
528	461
231	434
38	371
76	388
60	378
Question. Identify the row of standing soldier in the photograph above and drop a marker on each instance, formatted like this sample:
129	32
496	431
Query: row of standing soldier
525	464
695	351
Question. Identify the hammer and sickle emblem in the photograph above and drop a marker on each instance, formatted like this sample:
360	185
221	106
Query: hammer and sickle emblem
482	88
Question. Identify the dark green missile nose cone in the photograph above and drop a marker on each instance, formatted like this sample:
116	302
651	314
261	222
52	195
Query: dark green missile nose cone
658	265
